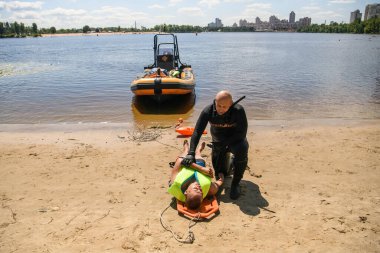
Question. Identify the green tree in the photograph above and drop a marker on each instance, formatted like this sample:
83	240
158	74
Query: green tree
22	29
372	25
34	29
2	29
86	29
16	28
53	30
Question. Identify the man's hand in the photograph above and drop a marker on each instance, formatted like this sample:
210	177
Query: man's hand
188	160
210	172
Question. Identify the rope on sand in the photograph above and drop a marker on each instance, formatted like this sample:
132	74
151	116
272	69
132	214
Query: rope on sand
144	135
253	173
141	134
190	238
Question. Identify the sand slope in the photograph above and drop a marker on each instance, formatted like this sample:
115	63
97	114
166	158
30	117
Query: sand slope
312	188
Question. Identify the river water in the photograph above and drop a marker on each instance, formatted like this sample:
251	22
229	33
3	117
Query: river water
284	76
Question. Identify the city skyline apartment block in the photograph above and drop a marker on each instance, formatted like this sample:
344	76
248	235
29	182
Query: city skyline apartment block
371	11
306	21
292	17
218	24
273	24
355	15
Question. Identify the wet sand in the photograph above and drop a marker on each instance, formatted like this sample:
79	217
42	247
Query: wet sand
313	186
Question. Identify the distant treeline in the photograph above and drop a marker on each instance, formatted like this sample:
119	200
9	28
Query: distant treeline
8	30
189	28
371	26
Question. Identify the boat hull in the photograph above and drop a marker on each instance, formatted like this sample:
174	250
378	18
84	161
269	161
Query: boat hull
157	86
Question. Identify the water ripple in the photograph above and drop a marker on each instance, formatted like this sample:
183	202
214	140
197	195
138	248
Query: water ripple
283	75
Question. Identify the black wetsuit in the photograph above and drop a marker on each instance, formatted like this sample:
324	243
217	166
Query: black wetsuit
228	133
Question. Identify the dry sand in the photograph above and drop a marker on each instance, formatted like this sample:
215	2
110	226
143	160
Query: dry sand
313	187
93	34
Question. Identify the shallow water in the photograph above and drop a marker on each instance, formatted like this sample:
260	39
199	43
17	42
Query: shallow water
283	75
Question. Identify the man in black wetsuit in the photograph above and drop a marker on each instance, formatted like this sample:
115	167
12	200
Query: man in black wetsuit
228	125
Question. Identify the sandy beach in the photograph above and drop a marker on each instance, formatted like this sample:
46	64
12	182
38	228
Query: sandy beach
313	186
93	34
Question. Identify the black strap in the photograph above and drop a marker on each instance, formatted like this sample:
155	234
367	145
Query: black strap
237	101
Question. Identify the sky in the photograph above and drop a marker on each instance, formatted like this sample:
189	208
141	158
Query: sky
147	13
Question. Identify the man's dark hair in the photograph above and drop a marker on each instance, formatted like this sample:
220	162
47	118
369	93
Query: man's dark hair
193	203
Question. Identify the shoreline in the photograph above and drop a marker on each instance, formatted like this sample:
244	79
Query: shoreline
93	34
255	124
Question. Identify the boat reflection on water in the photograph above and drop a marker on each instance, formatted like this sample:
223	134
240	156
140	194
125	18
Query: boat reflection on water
148	111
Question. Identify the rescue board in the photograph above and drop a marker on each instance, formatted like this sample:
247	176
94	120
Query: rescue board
187	131
207	210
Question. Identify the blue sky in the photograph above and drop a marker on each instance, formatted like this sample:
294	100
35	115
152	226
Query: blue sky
102	13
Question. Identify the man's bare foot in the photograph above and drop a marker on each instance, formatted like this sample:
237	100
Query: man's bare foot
185	144
179	123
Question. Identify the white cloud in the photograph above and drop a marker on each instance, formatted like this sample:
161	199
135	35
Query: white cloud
261	10
191	11
156	6
164	17
66	18
342	1
259	6
174	2
319	15
64	12
209	3
311	9
234	1
26	15
18	5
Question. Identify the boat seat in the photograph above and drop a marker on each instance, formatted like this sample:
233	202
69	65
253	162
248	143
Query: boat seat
165	61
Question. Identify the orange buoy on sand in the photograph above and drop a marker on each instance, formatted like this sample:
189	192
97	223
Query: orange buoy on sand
187	131
209	208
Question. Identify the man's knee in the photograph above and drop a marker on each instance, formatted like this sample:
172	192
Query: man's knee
240	150
240	166
218	161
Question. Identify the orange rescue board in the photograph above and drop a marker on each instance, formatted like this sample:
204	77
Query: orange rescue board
207	210
187	131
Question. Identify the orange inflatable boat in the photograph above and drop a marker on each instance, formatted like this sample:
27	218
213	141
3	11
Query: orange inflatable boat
187	131
208	209
167	76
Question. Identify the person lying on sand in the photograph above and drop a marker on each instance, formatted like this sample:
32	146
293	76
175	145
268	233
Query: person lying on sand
191	184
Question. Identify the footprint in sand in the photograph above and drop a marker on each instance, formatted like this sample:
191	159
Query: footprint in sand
130	245
113	198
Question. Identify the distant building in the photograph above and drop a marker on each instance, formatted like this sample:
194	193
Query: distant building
371	11
306	21
245	23
273	20
355	15
217	24
292	17
258	21
261	25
